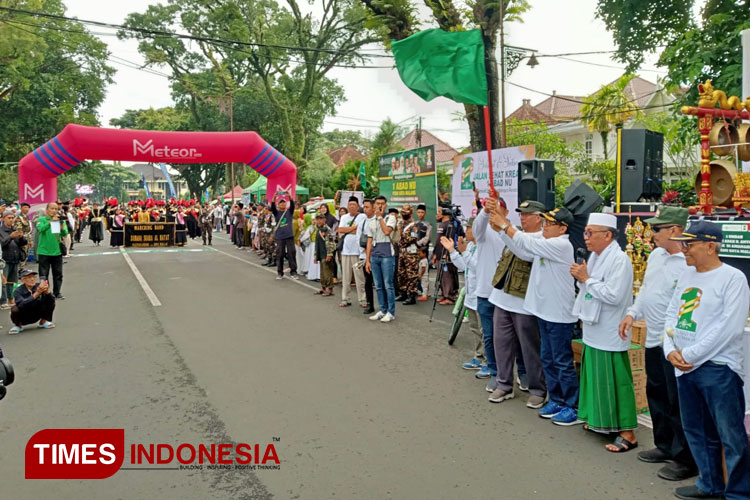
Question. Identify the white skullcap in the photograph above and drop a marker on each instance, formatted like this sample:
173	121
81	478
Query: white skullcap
606	220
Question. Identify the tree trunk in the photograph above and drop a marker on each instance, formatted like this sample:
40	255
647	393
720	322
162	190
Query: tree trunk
605	136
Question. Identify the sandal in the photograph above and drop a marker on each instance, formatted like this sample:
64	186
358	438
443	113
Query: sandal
622	445
47	324
15	329
319	292
345	304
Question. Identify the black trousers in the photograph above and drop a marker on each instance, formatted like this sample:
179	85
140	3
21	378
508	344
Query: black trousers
664	406
239	236
56	263
40	309
286	248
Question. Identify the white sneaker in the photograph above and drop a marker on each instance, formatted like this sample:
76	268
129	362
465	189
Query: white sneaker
279	277
388	318
377	316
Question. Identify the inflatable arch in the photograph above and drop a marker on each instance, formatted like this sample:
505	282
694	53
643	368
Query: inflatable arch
38	170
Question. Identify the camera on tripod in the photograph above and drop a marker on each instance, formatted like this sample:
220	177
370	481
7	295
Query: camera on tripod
453	211
7	375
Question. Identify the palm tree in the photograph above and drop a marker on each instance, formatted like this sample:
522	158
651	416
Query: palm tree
609	107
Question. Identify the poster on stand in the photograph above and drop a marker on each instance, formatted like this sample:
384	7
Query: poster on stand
471	170
410	177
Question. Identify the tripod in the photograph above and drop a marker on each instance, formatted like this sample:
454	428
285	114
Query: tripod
450	234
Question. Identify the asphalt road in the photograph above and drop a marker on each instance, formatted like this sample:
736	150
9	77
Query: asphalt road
360	409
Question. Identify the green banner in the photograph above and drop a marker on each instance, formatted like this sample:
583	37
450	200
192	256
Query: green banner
736	239
410	177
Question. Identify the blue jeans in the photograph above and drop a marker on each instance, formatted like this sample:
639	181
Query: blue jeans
712	403
486	312
557	362
382	274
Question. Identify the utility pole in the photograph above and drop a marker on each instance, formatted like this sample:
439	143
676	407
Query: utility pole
419	133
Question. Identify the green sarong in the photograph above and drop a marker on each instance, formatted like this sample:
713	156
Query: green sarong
607	397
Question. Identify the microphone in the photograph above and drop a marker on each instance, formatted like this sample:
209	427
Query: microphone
581	255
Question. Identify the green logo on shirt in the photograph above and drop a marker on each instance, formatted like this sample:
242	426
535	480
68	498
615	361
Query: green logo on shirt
691	300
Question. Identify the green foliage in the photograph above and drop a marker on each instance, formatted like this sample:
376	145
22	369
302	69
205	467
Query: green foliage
293	82
678	146
640	26
685	188
609	107
52	72
108	179
387	137
692	51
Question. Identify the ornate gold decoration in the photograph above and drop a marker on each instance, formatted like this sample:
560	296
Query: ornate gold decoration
741	190
638	249
710	97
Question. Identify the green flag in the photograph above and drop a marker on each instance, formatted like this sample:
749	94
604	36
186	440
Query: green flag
441	63
363	175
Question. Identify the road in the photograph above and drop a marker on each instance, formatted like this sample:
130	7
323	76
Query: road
361	410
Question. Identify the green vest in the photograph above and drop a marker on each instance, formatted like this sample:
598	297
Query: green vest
512	274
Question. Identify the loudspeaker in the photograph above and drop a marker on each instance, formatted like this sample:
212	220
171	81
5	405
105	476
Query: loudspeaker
581	199
641	164
536	181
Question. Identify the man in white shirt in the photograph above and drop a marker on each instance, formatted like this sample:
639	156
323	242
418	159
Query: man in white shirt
606	404
550	297
514	328
489	250
380	260
349	227
666	263
362	276
704	327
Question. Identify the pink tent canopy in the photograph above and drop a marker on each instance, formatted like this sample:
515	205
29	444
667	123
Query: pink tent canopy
237	193
38	170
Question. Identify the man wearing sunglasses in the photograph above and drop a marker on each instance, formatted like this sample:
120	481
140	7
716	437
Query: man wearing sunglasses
704	327
665	266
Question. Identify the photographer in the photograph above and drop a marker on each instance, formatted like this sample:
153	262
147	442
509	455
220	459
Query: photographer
34	303
49	254
12	242
451	229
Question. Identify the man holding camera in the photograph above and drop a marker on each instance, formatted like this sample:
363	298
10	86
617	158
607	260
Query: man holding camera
34	302
12	242
284	236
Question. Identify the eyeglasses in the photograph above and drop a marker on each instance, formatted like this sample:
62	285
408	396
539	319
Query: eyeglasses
587	234
689	244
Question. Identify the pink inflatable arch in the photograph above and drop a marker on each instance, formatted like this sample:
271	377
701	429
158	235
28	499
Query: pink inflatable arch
38	170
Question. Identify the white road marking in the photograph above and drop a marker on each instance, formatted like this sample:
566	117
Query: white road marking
147	289
299	281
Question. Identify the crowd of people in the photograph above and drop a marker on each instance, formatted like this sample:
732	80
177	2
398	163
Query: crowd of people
526	292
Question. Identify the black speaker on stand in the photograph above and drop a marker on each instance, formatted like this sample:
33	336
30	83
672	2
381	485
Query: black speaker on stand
536	181
581	200
641	165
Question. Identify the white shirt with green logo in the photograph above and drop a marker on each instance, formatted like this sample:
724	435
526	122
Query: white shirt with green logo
707	315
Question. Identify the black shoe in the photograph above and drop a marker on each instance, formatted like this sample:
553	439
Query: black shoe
59	296
653	456
691	492
410	301
402	298
369	310
677	472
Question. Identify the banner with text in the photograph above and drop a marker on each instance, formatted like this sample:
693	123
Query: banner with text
471	170
410	177
149	234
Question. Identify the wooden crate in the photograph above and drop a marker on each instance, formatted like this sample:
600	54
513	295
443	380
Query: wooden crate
639	332
577	346
637	355
639	384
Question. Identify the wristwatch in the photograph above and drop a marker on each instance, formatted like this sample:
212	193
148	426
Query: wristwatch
504	226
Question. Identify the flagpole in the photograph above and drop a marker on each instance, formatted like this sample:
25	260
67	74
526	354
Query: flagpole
488	140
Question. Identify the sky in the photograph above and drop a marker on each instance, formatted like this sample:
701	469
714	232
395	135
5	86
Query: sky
372	95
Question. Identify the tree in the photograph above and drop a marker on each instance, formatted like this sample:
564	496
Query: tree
609	107
693	50
387	137
678	147
284	51
52	72
397	19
